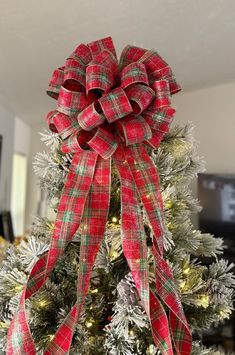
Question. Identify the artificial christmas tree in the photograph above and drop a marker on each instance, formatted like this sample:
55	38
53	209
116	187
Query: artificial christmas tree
148	261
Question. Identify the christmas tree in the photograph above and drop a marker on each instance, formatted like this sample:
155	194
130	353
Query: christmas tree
114	321
114	318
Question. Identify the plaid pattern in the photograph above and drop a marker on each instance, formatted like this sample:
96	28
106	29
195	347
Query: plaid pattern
148	81
64	124
160	123
147	181
106	59
92	232
99	78
75	70
165	73
103	143
153	64
134	73
72	144
50	120
133	234
97	47
163	94
81	54
115	105
134	129
129	55
160	325
56	81
159	120
89	118
71	102
140	97
68	219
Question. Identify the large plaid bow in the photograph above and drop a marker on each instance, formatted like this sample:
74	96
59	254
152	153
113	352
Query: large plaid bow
109	110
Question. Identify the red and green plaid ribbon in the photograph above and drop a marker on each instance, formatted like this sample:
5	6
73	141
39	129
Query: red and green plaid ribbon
109	110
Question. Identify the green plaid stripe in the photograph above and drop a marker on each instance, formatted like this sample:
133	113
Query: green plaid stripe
92	231
133	234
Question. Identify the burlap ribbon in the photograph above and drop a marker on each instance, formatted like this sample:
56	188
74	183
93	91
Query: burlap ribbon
109	110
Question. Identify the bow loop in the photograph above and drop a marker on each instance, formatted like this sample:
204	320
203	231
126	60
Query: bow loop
140	97
62	124
76	143
71	102
98	46
129	55
106	59
91	117
75	72
81	54
101	72
163	95
133	73
134	129
98	78
103	143
55	83
115	105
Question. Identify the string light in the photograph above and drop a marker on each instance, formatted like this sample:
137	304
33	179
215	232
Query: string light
204	301
4	325
170	226
90	323
50	225
151	350
114	219
114	255
18	287
42	303
95	290
186	271
169	205
182	285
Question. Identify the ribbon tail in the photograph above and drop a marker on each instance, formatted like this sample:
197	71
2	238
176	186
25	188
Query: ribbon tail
160	326
133	234
92	232
178	330
147	182
69	215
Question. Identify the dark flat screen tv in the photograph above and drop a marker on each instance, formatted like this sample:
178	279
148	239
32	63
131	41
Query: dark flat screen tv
216	193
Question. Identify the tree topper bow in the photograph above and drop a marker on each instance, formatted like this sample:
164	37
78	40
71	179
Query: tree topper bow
110	111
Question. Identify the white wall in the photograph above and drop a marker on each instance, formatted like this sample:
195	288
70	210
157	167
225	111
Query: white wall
212	111
22	142
7	121
33	191
22	137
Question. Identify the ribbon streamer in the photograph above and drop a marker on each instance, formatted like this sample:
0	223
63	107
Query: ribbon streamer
108	110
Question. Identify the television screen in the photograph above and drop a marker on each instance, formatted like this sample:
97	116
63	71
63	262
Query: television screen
216	193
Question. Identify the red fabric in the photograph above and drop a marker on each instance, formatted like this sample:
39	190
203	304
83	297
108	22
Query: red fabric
98	115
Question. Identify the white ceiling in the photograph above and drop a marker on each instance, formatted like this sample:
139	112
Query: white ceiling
195	37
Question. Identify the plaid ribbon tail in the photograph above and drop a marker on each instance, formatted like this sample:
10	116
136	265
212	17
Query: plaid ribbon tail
70	211
160	325
92	231
19	338
147	182
133	234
